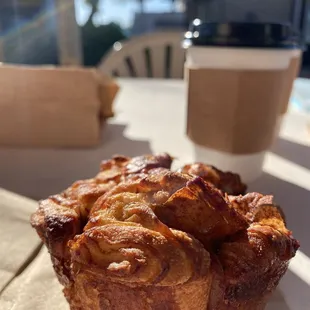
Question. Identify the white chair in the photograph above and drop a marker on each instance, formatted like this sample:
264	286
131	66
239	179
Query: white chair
155	55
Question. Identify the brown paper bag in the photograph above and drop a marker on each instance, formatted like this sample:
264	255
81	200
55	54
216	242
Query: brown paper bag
108	90
233	111
51	107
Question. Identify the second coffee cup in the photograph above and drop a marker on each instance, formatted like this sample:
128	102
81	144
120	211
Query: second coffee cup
236	78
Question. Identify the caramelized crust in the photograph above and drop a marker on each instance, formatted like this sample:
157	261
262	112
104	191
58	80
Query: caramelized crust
61	217
139	236
227	182
257	207
255	260
178	201
253	263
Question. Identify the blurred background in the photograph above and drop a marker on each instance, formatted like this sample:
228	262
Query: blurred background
82	31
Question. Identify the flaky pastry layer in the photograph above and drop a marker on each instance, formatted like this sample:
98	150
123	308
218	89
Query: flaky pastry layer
139	236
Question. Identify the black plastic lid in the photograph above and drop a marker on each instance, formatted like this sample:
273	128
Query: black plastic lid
262	35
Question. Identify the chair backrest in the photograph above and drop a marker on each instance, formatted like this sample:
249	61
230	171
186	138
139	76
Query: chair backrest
156	55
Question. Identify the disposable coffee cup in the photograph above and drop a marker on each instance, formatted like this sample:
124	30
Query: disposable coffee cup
235	74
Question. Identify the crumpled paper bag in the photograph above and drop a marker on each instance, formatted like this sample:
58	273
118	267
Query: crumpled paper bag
53	106
108	90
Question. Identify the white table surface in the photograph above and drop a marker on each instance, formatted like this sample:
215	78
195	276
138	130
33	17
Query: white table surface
150	117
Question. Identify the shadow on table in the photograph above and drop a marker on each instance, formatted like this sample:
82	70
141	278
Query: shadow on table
296	291
277	302
295	152
293	200
37	173
114	142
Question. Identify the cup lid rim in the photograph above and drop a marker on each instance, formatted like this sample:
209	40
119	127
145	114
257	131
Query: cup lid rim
241	34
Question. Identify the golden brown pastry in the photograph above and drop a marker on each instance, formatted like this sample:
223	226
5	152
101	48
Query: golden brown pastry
60	217
154	239
254	260
227	182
